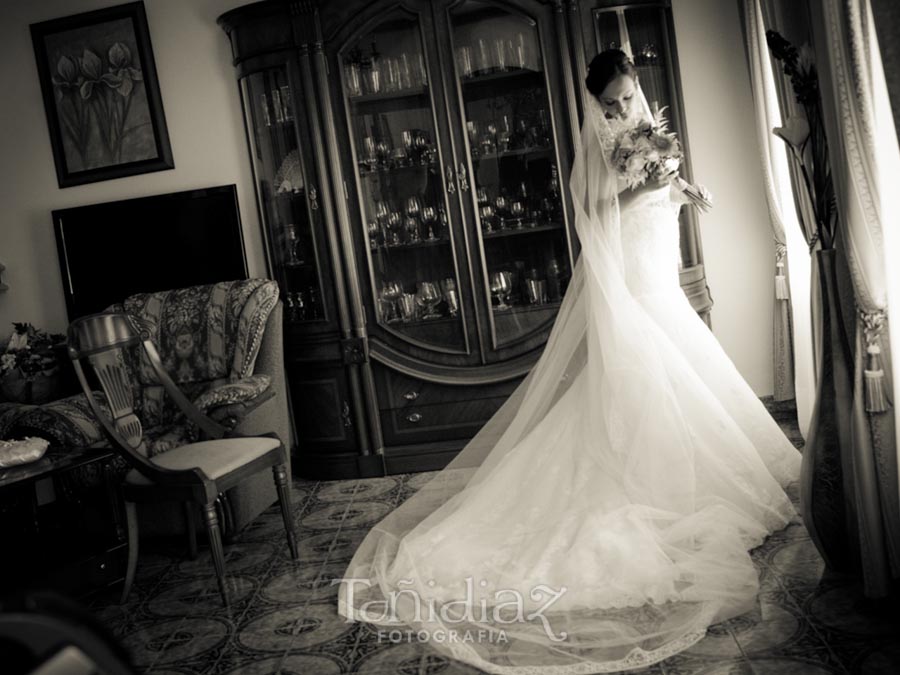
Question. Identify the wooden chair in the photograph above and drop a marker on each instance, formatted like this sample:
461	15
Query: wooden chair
194	474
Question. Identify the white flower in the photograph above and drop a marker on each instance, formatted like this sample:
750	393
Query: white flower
794	132
634	164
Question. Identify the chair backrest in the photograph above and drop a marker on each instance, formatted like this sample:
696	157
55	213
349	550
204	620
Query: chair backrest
103	342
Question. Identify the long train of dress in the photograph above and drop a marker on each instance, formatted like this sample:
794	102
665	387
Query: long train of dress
613	530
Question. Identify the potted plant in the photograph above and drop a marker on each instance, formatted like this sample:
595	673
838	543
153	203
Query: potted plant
29	366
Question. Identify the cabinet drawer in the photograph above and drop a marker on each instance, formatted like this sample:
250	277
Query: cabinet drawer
444	421
401	391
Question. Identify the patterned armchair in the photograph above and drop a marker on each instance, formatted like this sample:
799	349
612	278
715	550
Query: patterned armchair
222	345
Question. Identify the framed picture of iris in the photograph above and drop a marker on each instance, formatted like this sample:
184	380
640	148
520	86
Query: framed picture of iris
101	95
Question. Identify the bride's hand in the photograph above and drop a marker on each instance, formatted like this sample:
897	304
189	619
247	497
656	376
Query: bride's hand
696	195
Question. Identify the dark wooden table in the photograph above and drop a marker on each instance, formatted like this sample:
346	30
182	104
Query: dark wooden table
60	522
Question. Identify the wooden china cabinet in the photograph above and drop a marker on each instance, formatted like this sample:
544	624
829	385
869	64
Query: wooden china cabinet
410	159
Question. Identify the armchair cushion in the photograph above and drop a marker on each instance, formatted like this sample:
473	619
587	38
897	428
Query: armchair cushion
243	390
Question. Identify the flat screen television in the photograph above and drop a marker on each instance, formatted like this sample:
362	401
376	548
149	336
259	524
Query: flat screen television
112	250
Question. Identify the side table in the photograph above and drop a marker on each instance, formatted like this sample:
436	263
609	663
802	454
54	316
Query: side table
58	530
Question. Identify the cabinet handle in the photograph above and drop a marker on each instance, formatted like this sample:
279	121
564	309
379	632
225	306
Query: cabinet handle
463	181
313	199
415	418
411	395
451	186
345	414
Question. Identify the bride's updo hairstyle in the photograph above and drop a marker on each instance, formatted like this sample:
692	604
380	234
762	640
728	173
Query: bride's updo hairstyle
605	67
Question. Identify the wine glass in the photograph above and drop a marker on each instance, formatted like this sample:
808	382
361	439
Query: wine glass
501	287
451	297
395	224
486	213
370	156
390	292
421	144
517	211
411	225
413	207
429	217
428	296
408	307
372	229
481	196
501	203
383	151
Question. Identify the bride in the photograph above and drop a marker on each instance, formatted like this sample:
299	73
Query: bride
602	519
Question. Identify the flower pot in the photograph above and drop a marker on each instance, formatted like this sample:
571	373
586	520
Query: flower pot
825	469
33	390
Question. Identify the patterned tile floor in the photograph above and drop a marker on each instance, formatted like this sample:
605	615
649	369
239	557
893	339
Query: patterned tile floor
283	617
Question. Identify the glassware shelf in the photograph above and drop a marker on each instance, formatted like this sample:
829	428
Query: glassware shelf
526	309
512	231
380	170
425	243
390	96
526	153
510	75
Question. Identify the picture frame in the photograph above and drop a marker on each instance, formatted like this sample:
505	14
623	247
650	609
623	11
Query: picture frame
101	95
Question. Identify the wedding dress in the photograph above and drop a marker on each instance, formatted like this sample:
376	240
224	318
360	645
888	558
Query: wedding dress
602	519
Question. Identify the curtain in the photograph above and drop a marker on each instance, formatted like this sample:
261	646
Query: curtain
794	368
887	105
863	150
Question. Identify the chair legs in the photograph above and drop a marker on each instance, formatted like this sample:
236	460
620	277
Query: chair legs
131	523
284	500
215	545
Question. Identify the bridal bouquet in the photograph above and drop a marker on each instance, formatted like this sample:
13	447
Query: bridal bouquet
649	151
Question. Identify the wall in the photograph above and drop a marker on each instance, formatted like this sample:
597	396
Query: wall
205	129
203	113
737	242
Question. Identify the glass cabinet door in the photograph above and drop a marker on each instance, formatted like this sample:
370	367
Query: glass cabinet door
515	191
640	31
411	255
288	201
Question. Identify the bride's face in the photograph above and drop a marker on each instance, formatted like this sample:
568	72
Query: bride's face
619	98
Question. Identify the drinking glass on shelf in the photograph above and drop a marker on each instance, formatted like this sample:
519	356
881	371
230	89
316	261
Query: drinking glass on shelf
372	229
504	134
383	151
292	237
370	154
517	211
413	207
536	290
500	54
420	141
429	218
486	214
411	225
381	212
399	157
422	79
520	54
444	223
484	55
451	297
372	76
408	307
390	293
501	287
464	60
406	75
428	297
354	82
473	127
501	203
482	196
395	224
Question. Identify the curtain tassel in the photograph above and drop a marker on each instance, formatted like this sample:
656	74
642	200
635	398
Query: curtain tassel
781	287
873	375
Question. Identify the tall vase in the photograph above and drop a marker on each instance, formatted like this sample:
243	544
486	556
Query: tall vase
825	469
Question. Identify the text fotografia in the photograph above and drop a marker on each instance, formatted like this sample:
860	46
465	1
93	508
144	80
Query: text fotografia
439	635
502	607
